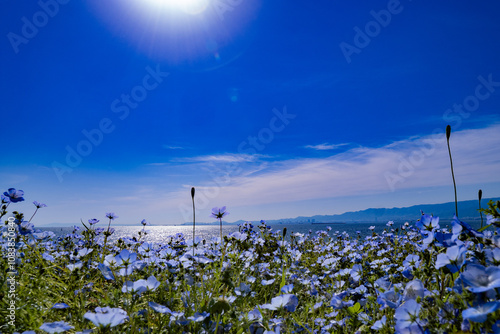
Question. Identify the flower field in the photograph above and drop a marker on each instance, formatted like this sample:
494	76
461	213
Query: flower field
424	278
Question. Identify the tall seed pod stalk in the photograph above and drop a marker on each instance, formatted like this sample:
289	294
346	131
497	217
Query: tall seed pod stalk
480	195
448	133
194	216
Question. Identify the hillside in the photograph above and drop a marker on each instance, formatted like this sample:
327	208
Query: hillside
466	210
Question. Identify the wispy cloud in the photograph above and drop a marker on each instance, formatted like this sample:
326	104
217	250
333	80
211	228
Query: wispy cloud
221	158
173	147
325	146
409	164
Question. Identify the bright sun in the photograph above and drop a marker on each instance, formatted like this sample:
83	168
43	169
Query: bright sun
188	6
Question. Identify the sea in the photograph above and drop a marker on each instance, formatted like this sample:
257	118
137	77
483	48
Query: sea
160	234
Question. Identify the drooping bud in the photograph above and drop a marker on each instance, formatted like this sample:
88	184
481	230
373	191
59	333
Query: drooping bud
448	132
284	232
192	192
480	194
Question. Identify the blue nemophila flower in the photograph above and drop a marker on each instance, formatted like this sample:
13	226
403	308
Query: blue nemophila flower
47	257
60	306
74	266
99	230
111	215
45	235
93	221
56	327
428	223
107	316
480	279
287	301
493	255
238	236
106	271
199	317
480	312
453	259
379	324
390	298
243	289
492	220
447	239
337	301
268	282
218	213
254	315
414	289
84	251
407	319
125	261
4	199
428	239
141	285
412	261
317	305
287	288
159	308
26	228
467	227
14	195
144	222
145	247
383	283
39	205
356	272
179	318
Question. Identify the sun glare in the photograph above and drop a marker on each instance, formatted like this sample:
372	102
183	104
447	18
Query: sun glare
188	6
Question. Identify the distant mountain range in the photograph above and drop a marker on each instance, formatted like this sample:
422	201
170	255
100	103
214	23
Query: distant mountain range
468	210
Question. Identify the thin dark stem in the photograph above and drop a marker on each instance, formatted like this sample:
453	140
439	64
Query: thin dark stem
453	176
194	224
220	220
29	221
480	212
105	241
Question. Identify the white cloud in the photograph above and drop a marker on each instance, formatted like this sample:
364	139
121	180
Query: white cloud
228	157
172	147
415	163
325	146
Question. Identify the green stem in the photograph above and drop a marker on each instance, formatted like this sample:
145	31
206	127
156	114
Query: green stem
194	225
105	241
453	176
29	221
480	212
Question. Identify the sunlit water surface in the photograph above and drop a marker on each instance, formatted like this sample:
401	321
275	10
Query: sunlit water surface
161	234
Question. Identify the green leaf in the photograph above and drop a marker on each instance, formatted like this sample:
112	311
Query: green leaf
484	228
355	309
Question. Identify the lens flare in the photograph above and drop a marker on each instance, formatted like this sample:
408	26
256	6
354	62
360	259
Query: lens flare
193	7
198	35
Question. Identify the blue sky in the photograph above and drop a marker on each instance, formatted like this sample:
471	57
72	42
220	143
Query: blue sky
273	108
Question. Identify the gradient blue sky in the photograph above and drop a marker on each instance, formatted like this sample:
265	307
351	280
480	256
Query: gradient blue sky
273	108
